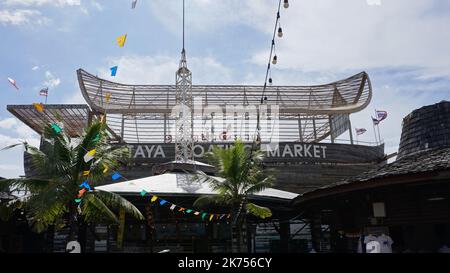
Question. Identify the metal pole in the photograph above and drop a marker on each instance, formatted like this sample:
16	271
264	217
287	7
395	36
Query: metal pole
350	128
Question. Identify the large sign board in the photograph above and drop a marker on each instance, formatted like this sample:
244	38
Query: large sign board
282	152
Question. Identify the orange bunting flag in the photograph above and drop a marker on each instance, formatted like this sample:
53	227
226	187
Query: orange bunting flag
154	198
39	107
81	192
182	209
86	173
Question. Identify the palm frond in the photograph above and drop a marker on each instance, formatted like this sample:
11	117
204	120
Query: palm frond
259	186
258	211
116	201
95	210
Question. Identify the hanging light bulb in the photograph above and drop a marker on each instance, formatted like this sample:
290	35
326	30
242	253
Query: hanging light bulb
270	81
274	61
280	32
286	4
265	98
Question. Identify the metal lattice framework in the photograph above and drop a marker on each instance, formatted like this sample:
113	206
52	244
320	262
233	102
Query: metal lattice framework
141	113
183	119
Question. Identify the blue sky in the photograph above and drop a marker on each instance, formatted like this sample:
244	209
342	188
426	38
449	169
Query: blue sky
402	45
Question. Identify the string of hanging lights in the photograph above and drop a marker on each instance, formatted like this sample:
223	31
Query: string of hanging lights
273	58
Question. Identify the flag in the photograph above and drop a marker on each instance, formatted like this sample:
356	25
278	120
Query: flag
162	202
56	128
113	70
196	213
78	200
181	209
107	97
89	155
39	106
360	131
44	92
189	211
172	207
143	193
86	185
81	192
154	198
381	115
13	82
115	176
121	40
133	4
203	216
105	170
211	217
86	173
375	121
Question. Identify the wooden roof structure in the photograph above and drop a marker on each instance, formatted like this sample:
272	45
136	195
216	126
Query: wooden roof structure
73	117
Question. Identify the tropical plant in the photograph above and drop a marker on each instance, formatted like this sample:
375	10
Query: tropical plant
239	175
52	195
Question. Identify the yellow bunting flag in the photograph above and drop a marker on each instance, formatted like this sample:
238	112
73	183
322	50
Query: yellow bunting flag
89	156
39	107
121	40
211	217
154	198
108	97
105	170
86	173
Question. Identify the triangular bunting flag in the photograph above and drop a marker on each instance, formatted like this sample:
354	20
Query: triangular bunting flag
203	216
56	128
172	207
211	217
121	40
89	155
86	173
143	193
107	97
162	202
81	192
196	213
189	211
115	176
182	209
86	185
78	200
39	106
105	170
113	70
154	198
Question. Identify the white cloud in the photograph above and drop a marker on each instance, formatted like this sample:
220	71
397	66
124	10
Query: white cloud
57	3
135	69
50	80
34	68
331	35
22	16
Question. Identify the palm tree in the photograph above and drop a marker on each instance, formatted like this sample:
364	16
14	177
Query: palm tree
239	174
53	197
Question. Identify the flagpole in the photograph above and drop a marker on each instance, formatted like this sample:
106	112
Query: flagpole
379	137
375	133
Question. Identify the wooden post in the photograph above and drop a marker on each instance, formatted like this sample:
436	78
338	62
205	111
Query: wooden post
121	228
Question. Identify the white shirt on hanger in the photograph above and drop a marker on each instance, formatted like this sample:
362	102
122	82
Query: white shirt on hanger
385	243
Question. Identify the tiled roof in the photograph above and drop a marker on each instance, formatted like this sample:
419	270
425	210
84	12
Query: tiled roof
420	162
